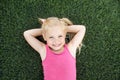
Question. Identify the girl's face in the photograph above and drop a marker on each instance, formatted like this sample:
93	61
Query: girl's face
55	38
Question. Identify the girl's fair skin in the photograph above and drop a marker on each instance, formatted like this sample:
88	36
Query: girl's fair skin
55	38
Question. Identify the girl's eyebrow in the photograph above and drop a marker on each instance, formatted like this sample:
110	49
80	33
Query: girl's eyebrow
60	35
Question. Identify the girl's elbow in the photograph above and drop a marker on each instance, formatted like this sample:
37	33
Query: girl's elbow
25	33
82	27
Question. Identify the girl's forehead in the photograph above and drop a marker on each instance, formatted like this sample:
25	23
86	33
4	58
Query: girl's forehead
56	28
55	31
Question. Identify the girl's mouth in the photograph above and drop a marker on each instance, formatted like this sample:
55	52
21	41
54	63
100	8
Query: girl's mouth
56	45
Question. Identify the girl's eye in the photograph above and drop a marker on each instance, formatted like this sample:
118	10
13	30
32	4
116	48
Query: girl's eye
50	37
60	36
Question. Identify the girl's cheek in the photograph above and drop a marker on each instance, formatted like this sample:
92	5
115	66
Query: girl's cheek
62	40
50	41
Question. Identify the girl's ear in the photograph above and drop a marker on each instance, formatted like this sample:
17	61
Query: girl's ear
41	20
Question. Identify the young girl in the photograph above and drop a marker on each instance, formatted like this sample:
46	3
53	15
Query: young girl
58	58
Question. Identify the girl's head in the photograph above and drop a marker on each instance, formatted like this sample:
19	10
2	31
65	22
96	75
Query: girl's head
54	32
52	22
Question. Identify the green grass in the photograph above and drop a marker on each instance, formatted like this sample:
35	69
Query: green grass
99	59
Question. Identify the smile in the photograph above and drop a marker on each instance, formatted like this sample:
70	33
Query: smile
57	45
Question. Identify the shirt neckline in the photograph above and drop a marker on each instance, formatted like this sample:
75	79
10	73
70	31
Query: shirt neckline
55	52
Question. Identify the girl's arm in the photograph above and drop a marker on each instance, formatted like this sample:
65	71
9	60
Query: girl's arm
30	36
79	31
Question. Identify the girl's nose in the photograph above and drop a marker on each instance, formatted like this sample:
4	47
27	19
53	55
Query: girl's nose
56	41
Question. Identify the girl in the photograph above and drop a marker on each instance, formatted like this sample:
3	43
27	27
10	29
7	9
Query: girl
58	58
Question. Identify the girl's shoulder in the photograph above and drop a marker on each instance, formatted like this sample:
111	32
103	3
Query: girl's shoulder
72	50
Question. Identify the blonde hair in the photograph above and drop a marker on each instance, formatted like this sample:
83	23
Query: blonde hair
55	21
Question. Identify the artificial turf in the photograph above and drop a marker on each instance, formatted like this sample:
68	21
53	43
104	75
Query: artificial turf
100	56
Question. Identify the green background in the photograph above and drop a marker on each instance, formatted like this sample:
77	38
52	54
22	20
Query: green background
100	55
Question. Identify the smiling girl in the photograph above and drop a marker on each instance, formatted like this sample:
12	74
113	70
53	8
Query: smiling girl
58	57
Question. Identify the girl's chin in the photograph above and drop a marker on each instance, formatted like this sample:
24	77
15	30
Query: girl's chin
57	49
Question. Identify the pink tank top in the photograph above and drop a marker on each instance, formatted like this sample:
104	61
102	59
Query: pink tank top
59	66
